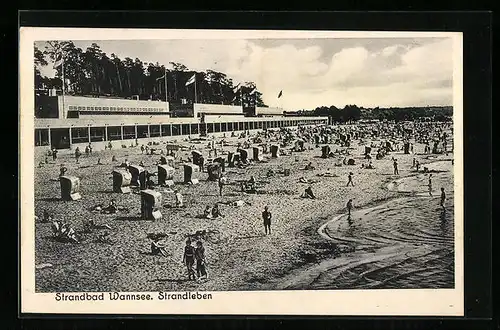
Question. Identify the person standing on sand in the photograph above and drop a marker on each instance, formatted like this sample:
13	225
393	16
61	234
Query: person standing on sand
395	164
78	153
349	179
266	216
188	259
443	198
201	268
222	179
430	184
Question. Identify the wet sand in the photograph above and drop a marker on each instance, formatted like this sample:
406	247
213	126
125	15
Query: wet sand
241	257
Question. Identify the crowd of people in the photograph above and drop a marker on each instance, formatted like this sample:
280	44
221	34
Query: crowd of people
384	139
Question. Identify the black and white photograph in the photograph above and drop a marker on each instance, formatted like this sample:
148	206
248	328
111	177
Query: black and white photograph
242	162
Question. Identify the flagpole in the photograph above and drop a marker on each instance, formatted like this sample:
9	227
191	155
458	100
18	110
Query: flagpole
166	91
241	96
195	94
63	83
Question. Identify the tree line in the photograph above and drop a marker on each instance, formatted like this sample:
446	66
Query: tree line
92	72
352	113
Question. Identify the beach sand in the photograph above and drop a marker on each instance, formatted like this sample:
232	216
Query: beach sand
240	258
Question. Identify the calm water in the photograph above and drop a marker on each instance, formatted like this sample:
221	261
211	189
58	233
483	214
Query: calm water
404	243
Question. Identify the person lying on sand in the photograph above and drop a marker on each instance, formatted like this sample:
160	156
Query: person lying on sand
158	247
63	232
216	212
303	180
90	225
46	216
207	213
309	166
308	193
111	208
239	203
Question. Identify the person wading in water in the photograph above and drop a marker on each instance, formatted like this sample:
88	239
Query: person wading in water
349	207
430	184
443	198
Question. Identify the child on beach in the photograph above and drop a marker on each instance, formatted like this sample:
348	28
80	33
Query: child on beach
396	171
188	259
199	253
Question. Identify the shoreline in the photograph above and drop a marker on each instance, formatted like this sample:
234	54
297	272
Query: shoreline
300	276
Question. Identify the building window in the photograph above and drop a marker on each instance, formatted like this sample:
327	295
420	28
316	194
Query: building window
217	127
154	130
176	129
210	127
128	132
114	133
223	127
185	129
79	134
97	134
194	129
105	109
41	137
165	130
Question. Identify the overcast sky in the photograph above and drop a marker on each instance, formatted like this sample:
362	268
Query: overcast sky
313	72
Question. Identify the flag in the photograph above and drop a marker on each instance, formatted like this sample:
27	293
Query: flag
281	93
59	60
191	80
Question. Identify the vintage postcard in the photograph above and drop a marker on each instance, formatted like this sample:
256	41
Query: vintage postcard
241	172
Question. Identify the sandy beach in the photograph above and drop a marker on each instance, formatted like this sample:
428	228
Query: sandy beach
240	257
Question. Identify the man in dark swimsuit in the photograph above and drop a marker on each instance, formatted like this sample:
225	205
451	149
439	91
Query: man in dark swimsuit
266	216
349	179
188	259
199	253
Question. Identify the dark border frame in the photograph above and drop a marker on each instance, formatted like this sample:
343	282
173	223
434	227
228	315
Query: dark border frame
477	41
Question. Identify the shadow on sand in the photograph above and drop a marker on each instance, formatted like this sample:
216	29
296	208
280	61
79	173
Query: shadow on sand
172	280
129	218
51	199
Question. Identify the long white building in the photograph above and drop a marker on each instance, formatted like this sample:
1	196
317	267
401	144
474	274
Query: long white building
63	122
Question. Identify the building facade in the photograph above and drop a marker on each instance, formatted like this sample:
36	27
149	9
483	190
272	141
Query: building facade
83	120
